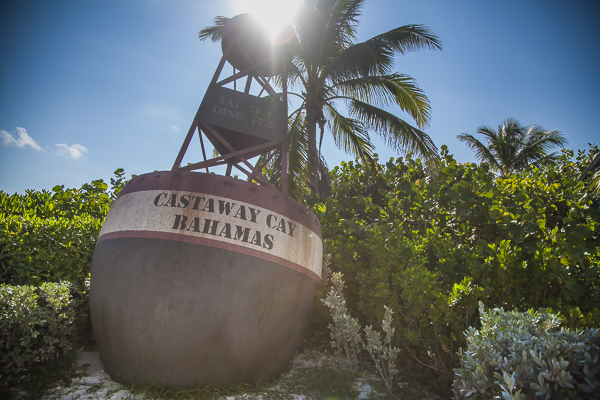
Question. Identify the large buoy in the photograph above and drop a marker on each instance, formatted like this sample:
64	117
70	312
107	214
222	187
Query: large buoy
202	279
205	279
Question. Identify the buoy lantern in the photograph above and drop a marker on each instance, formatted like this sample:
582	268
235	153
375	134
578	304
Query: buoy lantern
251	44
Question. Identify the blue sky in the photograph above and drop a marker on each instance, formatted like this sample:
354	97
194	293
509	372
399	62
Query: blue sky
87	87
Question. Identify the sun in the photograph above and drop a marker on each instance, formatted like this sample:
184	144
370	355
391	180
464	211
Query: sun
273	15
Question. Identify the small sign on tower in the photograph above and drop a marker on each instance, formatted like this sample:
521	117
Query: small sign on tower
238	124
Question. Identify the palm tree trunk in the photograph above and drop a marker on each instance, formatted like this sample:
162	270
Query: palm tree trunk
312	116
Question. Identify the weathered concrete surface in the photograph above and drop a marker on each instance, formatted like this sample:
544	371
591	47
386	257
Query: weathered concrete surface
182	314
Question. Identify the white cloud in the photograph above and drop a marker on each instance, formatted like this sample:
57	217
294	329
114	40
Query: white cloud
172	129
159	110
161	116
22	140
74	151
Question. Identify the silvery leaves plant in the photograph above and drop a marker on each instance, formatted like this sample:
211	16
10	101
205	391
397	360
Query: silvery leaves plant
383	353
345	330
528	355
347	340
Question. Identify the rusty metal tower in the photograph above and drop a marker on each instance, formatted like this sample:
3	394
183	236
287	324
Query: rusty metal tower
238	124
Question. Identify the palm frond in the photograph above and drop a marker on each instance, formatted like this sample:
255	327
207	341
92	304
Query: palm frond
325	28
361	59
542	140
548	159
323	179
594	179
214	32
397	133
504	144
350	136
482	152
342	21
298	149
369	89
397	89
596	183
409	38
489	133
296	72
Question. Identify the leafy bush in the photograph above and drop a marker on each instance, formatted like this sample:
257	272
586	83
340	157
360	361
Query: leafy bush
345	330
347	340
528	355
431	245
47	239
50	237
32	204
36	327
382	352
92	199
36	250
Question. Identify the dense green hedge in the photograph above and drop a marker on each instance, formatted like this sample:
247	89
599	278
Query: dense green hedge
92	199
50	236
36	250
47	242
432	244
36	327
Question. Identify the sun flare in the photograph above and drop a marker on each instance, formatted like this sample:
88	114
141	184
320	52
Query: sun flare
273	15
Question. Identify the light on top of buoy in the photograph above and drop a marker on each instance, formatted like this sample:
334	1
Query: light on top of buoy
272	15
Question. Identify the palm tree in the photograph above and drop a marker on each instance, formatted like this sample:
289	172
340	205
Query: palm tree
513	147
329	71
594	172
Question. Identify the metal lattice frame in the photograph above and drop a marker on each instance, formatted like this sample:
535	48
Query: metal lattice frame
235	157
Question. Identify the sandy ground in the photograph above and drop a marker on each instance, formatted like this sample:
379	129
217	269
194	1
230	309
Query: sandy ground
96	384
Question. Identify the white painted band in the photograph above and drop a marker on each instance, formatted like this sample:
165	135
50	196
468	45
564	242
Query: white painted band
219	219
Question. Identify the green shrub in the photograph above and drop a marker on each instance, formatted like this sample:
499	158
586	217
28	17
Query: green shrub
36	327
35	250
32	204
347	340
92	199
47	241
520	355
345	330
432	244
50	237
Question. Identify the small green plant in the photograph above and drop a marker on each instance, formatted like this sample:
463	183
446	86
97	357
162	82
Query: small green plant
518	355
509	386
383	353
347	340
345	330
